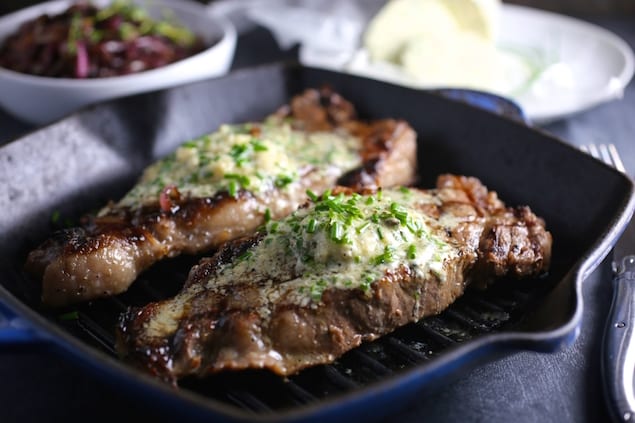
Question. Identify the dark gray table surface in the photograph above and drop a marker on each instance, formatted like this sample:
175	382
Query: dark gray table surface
38	385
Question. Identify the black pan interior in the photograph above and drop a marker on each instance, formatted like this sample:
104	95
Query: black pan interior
55	175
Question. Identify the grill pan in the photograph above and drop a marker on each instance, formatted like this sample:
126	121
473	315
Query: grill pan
79	163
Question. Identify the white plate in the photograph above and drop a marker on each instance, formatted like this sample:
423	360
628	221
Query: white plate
578	65
554	65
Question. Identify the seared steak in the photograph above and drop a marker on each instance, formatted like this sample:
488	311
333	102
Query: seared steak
345	269
223	186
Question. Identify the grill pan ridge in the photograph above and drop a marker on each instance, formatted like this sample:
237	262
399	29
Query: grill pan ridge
585	203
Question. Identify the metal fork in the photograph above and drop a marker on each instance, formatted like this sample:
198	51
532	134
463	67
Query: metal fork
618	345
607	153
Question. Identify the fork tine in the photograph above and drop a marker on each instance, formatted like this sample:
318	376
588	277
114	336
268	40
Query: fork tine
593	150
604	153
607	153
617	160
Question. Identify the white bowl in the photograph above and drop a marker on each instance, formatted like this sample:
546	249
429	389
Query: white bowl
41	100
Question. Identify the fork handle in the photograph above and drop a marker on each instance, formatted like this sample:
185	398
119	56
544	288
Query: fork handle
618	355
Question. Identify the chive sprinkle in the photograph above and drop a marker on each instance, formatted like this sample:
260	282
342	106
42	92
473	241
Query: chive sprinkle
283	180
313	196
245	256
337	231
232	188
399	213
258	145
311	226
385	257
362	227
412	252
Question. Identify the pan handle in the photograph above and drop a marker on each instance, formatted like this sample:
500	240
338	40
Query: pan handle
14	330
491	102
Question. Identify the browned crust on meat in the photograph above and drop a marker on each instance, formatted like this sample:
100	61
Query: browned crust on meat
220	331
232	335
386	158
107	254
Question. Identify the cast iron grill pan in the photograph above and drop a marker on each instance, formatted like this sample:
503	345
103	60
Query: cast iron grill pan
81	162
475	314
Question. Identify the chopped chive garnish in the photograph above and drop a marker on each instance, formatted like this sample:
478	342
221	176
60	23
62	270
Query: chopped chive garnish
367	281
412	252
399	212
267	215
232	188
317	289
404	190
246	255
361	227
415	228
258	145
385	257
337	231
241	179
311	226
312	195
282	181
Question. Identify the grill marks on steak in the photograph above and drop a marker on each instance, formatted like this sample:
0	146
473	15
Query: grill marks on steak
105	255
253	321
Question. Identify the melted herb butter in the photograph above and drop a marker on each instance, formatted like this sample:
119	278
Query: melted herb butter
345	242
253	157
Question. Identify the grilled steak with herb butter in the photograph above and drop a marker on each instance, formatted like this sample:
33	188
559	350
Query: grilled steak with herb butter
345	269
220	187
